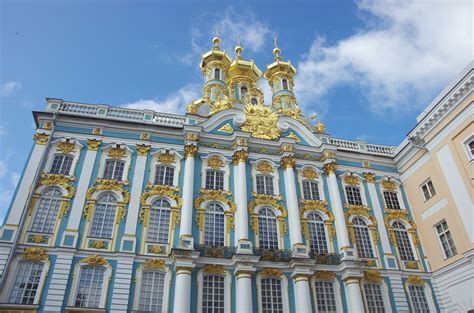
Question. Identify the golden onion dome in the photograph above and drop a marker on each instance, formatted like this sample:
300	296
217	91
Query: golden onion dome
241	68
216	55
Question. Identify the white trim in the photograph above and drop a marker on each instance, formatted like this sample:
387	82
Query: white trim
469	138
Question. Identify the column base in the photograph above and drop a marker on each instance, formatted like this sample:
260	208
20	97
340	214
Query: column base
348	253
186	242
244	246
299	250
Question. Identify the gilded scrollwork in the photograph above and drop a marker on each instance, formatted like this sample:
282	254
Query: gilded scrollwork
316	205
271	272
35	254
261	122
103	185
160	190
154	264
275	202
373	276
94	260
216	195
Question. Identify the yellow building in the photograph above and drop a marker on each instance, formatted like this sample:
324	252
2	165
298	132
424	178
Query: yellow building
437	166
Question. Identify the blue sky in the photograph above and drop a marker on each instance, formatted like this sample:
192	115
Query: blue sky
367	68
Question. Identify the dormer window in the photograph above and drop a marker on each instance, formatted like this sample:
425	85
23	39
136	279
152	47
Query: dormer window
285	84
243	92
114	169
217	73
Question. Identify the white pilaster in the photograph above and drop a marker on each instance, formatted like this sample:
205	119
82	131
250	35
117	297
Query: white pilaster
338	210
379	216
302	294
57	289
121	293
244	292
355	303
399	294
182	290
26	183
241	215
82	187
185	233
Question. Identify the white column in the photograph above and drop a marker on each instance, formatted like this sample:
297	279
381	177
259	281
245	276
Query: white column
83	185
182	290
240	184
292	202
136	192
302	294
185	231
354	295
244	292
378	214
26	184
339	218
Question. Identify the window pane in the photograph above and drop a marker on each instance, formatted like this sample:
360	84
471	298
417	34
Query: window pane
264	185
159	221
213	294
272	300
26	283
214	226
267	229
61	164
353	195
104	217
374	298
325	297
446	239
310	190
317	234
152	291
47	211
164	175
391	200
214	180
90	287
114	169
403	242
364	246
418	299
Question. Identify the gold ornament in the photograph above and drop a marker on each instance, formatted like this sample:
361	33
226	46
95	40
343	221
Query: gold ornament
415	280
320	128
240	156
93	144
309	173
37	238
287	148
117	152
166	158
143	149
222	103
97	244
261	122
214	269
412	265
145	136
41	139
288	162
154	249
265	167
48	125
330	168
35	254
226	128
325	275
66	147
366	164
370	177
154	264
190	151
192	137
97	131
271	272
94	260
351	180
293	136
215	162
373	276
389	184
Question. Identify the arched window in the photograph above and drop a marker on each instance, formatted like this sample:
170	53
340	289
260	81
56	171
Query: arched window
217	73
47	211
391	200
353	195
89	290
61	164
151	291
267	229
310	190
164	175
213	293
264	184
285	84
362	237
243	92
26	283
104	216
114	169
214	180
214	226
159	222
317	233
403	242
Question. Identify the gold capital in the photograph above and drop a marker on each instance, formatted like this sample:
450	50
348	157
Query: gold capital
35	254
330	168
240	156
143	149
370	177
93	144
288	162
41	139
190	151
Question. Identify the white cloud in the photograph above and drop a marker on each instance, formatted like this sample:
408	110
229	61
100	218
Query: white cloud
406	53
8	88
174	103
3	168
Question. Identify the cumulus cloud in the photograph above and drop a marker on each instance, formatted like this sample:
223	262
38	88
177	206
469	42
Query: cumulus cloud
406	52
174	103
8	88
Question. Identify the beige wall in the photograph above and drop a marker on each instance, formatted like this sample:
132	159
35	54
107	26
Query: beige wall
432	169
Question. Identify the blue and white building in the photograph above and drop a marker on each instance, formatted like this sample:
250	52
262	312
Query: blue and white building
236	206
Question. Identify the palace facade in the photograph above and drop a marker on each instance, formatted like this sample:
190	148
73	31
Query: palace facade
236	206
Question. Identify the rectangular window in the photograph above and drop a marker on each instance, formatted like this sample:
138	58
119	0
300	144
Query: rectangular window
152	291
164	175
272	300
391	200
353	195
374	298
213	290
61	164
90	287
114	169
26	283
418	299
428	190
446	239
325	296
214	180
310	190
264	185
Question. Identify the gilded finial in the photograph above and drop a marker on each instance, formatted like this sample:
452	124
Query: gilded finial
320	128
276	50
216	40
238	48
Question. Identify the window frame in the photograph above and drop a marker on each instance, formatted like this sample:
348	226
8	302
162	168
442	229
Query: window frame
427	293
161	208
37	206
166	176
431	195
467	149
224	221
55	150
116	161
323	221
371	239
156	162
273	173
126	158
266	184
384	291
166	287
284	291
277	226
112	235
410	240
201	214
61	167
225	168
227	290
337	293
215	181
438	236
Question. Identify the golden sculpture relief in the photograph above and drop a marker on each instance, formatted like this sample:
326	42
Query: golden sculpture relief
192	136
389	185
415	280
154	264
271	272
373	276
215	162
97	131
330	168
157	190
66	147
288	162
351	180
143	149
328	155
261	122
116	152
97	244
222	103
35	254
320	128
41	139
145	136
38	239
325	275
226	128
412	265
190	151
293	136
155	249
309	173
214	269
94	260
48	125
370	177
166	158
264	167
240	156
93	144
